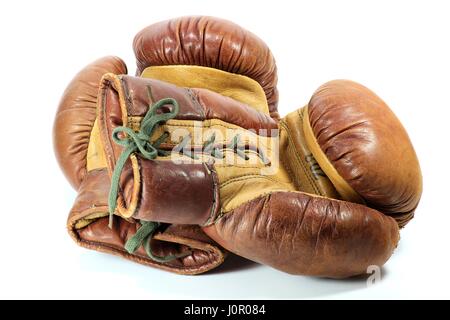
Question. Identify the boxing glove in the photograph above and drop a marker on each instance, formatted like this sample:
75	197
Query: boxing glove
81	157
83	162
192	156
339	150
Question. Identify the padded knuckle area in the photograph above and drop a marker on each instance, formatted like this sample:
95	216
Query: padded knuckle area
209	42
367	144
302	234
76	114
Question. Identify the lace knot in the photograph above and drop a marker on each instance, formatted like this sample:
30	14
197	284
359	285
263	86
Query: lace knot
139	141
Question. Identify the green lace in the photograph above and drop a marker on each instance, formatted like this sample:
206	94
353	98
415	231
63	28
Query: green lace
143	236
213	150
134	142
141	142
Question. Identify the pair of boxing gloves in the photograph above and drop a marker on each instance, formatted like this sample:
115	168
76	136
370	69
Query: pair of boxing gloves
190	157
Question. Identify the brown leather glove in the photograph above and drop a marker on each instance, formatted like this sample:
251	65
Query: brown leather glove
200	48
75	136
253	183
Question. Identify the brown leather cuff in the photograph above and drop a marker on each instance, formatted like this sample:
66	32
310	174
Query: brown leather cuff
88	226
169	192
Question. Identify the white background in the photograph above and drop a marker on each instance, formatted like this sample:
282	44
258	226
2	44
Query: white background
399	49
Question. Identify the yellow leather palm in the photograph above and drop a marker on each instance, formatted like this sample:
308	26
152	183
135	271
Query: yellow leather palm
236	86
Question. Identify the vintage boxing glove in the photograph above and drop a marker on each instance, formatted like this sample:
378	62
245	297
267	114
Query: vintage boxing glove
352	142
192	156
218	44
81	157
